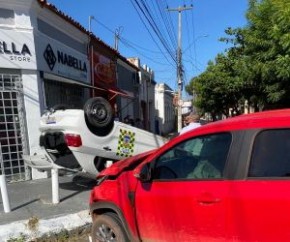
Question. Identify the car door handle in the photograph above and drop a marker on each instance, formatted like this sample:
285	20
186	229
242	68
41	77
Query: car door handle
207	198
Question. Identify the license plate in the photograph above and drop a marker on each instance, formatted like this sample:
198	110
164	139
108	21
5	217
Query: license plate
50	120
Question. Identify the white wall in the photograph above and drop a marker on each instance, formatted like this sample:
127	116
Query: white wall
165	108
32	108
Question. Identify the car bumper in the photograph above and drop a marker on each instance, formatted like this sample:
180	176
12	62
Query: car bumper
40	160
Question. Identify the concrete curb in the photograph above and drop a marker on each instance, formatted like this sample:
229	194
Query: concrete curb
34	228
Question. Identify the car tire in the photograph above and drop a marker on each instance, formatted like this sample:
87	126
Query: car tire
99	116
108	227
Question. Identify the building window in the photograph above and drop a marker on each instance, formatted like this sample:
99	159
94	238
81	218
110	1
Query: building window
6	17
63	93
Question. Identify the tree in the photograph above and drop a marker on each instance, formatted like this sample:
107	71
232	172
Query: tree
267	48
254	68
218	89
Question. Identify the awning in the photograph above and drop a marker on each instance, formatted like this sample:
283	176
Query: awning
121	92
113	90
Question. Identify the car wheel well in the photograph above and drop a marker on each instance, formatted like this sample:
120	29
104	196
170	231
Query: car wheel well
100	162
114	213
100	211
115	217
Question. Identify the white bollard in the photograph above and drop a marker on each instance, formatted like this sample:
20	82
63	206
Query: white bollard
4	194
55	186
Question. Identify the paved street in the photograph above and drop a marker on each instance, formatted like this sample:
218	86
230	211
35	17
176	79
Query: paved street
30	203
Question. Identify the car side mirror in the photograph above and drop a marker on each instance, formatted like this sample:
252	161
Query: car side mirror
145	173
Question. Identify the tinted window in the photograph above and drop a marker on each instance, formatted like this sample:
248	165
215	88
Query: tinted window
271	154
198	158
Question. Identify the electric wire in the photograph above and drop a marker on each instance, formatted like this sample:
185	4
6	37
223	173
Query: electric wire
135	5
141	5
130	44
166	23
158	23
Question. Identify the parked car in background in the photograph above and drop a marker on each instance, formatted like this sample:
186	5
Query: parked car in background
224	181
87	140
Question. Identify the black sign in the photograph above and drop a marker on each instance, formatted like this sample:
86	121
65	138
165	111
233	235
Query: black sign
64	59
49	57
20	53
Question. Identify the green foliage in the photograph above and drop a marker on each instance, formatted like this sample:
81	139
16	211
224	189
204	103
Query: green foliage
254	68
21	238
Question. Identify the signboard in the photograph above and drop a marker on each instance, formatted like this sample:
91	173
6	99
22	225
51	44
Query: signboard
59	59
17	50
104	71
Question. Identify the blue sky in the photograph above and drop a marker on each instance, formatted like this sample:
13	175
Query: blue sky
201	28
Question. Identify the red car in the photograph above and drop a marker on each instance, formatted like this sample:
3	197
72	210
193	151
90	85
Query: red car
225	181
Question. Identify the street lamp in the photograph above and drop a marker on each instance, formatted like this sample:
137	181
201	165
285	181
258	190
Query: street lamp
194	41
90	21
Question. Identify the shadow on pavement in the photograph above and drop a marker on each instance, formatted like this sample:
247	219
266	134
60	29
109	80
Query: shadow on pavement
78	183
25	204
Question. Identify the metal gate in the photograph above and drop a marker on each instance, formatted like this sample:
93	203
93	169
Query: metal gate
13	135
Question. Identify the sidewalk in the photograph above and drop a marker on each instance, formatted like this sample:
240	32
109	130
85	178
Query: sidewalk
33	214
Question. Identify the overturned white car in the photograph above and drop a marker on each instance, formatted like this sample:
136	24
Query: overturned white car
87	140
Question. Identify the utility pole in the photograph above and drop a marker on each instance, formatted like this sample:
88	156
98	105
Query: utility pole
179	66
117	37
91	53
90	22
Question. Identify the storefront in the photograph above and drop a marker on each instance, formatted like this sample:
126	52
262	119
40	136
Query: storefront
40	66
64	73
105	77
44	62
17	80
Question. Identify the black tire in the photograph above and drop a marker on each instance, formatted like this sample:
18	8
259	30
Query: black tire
108	227
99	112
99	116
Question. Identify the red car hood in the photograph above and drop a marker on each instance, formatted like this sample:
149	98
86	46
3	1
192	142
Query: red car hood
121	165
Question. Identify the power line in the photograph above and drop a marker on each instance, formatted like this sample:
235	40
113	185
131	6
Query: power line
142	7
149	30
132	45
149	58
161	29
167	24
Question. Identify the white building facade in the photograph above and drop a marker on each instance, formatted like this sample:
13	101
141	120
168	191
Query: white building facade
146	97
19	93
165	118
41	56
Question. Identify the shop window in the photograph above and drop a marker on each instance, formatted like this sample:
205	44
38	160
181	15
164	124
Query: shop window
62	93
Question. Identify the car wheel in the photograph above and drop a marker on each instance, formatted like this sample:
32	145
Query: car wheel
99	116
108	227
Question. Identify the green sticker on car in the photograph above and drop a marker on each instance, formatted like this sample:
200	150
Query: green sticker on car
126	143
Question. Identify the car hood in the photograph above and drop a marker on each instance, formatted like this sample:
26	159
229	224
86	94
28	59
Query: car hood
126	164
